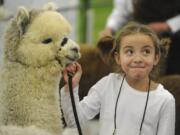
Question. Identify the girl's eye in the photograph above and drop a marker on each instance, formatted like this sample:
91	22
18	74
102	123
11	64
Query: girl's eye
47	41
129	52
146	52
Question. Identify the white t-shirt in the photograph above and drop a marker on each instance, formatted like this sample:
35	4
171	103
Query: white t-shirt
160	113
122	11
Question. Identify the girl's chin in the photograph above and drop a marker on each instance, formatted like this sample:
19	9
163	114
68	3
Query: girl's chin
138	75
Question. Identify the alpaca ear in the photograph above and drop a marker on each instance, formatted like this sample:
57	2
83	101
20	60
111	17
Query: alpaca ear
49	6
22	19
106	46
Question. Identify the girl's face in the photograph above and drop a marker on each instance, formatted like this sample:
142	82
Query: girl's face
137	56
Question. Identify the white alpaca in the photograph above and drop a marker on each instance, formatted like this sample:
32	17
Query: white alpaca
36	51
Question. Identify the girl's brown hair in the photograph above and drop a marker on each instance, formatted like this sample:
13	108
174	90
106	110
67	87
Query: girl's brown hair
111	45
134	28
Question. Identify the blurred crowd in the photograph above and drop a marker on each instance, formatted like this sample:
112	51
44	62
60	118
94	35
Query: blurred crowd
163	16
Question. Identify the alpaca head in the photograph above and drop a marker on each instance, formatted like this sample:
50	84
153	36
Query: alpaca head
39	37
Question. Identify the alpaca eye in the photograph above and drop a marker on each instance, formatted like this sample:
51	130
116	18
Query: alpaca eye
47	41
64	41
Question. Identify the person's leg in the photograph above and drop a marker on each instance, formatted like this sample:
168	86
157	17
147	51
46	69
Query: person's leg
173	60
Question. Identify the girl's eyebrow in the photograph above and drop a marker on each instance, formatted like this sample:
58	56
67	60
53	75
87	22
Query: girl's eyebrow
147	46
128	46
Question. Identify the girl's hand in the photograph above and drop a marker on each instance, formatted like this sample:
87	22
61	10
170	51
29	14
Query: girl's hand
76	70
106	32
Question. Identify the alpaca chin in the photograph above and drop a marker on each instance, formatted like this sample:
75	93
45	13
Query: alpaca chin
70	131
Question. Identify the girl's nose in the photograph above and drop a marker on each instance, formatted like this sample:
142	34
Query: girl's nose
137	58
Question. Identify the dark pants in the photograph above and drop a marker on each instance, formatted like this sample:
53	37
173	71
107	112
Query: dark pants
173	60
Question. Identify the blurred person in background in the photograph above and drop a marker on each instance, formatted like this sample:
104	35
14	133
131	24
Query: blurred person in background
163	16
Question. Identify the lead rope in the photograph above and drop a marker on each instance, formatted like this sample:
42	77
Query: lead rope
73	103
144	113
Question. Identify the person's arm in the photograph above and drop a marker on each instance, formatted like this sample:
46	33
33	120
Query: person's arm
171	25
174	23
86	108
167	119
67	106
120	14
159	27
118	17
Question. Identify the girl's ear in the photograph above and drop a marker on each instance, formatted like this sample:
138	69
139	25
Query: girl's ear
117	58
156	59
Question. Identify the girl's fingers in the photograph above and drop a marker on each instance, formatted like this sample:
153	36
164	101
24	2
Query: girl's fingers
71	68
78	67
65	76
76	70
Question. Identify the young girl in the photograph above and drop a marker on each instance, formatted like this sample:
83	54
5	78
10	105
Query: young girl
129	103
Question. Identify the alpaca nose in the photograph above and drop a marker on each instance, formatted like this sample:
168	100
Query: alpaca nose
75	49
74	46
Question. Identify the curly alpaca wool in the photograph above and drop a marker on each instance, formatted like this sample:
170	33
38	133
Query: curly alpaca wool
36	51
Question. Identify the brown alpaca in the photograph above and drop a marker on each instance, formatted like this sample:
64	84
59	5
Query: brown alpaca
172	83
